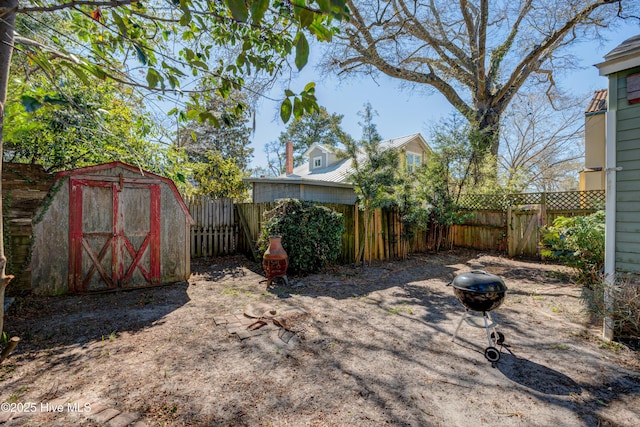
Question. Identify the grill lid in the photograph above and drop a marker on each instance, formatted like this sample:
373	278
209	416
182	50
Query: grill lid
479	281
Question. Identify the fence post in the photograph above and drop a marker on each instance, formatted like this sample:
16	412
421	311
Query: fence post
542	221
247	233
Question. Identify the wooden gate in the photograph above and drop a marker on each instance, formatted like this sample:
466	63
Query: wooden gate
523	224
114	233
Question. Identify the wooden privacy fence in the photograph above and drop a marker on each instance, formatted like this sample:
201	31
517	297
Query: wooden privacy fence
214	231
512	222
251	216
508	223
385	232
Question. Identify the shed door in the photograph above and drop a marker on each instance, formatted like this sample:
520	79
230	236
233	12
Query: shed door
114	227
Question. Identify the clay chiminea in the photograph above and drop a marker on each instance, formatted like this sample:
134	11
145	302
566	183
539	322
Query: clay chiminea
275	260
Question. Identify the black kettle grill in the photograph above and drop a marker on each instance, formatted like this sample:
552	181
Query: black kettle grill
479	291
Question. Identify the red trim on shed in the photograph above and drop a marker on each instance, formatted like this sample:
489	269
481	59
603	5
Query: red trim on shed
88	248
98	168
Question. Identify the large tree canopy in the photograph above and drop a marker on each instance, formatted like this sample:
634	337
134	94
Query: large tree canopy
477	53
67	124
156	45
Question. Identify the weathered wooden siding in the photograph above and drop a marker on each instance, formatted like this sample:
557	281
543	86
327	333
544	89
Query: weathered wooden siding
175	257
149	210
484	230
628	179
267	192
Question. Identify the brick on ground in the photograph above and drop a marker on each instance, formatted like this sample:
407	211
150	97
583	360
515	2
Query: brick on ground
123	419
105	415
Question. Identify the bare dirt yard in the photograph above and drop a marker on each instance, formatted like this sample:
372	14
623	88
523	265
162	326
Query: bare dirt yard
354	346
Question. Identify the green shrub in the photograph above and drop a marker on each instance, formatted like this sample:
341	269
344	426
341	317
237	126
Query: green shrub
311	234
579	243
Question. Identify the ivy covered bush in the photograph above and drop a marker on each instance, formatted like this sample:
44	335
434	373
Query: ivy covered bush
579	243
311	234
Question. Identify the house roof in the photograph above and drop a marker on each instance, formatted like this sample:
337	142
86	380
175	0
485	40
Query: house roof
336	174
598	103
400	141
623	49
625	56
324	148
339	172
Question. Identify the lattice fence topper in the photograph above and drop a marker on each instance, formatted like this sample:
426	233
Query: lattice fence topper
569	200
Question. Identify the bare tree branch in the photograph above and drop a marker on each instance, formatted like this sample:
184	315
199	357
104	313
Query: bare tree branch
539	53
477	53
76	3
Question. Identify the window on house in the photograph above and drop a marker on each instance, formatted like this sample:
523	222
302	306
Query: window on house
317	162
413	161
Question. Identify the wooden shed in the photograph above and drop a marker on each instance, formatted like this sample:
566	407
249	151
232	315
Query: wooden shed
108	227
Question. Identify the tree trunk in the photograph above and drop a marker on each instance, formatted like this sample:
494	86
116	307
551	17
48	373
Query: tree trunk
488	127
7	24
485	141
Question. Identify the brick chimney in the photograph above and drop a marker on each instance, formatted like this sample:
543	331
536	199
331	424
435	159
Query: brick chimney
288	165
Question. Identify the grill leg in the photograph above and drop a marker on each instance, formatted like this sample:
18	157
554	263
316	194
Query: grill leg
488	324
494	337
464	316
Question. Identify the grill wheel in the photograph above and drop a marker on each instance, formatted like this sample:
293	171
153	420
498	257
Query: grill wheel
492	354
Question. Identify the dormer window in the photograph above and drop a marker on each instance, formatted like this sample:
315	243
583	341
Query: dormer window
413	161
317	162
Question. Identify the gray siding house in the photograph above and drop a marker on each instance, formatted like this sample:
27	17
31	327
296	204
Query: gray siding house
622	235
324	177
622	67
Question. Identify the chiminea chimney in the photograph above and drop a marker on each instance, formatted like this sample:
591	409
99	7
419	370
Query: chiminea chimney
288	165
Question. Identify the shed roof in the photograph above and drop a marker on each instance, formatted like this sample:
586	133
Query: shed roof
112	165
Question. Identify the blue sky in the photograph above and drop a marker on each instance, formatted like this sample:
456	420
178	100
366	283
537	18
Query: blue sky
401	112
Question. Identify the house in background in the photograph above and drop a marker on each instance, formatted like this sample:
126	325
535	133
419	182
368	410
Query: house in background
592	177
622	236
324	177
